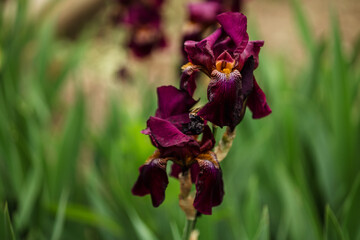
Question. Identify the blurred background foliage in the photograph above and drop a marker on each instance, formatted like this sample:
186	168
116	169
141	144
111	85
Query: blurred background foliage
70	142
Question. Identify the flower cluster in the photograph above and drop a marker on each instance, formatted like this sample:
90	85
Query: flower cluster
174	133
228	58
143	17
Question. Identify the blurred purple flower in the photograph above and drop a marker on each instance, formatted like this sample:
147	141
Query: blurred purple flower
229	59
145	27
169	133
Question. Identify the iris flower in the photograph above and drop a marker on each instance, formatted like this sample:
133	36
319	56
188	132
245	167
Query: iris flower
144	21
229	59
168	133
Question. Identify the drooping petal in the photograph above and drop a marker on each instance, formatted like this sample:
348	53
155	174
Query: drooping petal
170	140
204	12
225	106
247	77
176	169
208	140
173	102
257	102
235	25
152	180
208	181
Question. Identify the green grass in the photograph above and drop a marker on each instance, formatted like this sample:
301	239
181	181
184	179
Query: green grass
292	175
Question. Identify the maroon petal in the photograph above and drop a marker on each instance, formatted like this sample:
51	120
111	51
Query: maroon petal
257	102
187	81
209	183
200	53
235	25
170	140
176	169
247	74
225	106
208	140
172	102
252	49
152	180
204	12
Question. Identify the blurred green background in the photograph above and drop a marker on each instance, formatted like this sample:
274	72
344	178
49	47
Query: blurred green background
70	141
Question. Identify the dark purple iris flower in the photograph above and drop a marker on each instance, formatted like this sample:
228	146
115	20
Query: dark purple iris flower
167	133
229	59
144	21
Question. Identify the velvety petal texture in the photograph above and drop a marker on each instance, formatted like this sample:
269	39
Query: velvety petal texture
170	140
225	104
207	176
152	180
173	102
257	102
235	26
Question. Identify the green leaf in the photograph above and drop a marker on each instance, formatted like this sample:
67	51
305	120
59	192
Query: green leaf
333	229
303	25
84	215
59	223
8	228
140	227
263	232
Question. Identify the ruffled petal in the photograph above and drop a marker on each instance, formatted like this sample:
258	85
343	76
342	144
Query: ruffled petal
208	182
173	102
200	53
235	25
252	49
152	180
170	140
257	102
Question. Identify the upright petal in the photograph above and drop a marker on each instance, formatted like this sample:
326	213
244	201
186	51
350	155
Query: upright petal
257	102
235	25
201	53
172	102
152	180
252	49
208	182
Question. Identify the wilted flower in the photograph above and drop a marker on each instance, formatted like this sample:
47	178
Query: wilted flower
168	132
229	59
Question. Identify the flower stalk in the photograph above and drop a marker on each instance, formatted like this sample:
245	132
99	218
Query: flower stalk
224	146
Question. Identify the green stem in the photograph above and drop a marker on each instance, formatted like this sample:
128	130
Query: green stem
189	227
